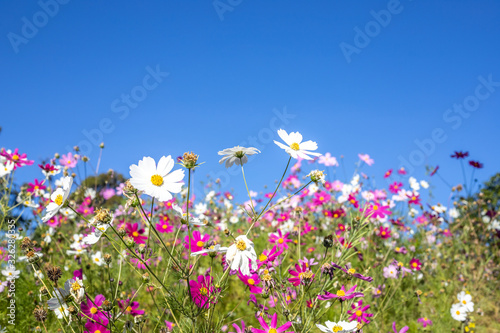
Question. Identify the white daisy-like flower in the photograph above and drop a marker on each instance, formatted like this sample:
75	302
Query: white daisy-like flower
466	301
241	255
156	180
62	311
94	237
193	221
26	201
458	312
57	170
58	198
215	248
340	327
317	176
6	168
238	155
11	273
97	258
295	147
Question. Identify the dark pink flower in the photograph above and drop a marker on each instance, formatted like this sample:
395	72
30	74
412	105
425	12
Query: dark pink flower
359	313
201	291
130	308
273	326
280	240
197	242
341	294
18	159
136	233
251	281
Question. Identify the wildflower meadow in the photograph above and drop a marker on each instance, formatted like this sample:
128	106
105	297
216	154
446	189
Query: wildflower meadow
101	252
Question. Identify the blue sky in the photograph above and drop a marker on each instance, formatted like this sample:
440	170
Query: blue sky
164	77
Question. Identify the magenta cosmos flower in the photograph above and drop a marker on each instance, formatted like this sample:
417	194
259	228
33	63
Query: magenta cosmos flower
91	309
201	291
341	294
425	322
238	329
268	257
358	312
377	211
197	242
272	328
384	233
280	240
97	327
251	281
18	159
163	226
395	187
136	233
403	330
415	264
298	274
36	187
130	308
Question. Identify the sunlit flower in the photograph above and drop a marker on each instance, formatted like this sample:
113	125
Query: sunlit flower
328	160
69	160
366	158
156	180
295	147
236	155
458	312
241	255
272	327
466	301
58	198
339	327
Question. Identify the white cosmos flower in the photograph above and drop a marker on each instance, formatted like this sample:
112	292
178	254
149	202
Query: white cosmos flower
6	168
466	301
294	145
241	255
94	237
192	220
10	273
58	198
156	180
62	311
340	327
458	312
238	155
97	258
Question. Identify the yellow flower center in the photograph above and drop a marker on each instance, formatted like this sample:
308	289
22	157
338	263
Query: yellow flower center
262	257
75	286
69	162
135	234
241	245
375	207
337	328
295	146
397	249
93	310
458	312
464	301
98	331
165	226
280	240
321	198
199	243
15	157
203	291
359	313
351	271
288	297
415	264
59	200
128	309
36	187
272	330
157	180
251	282
383	233
96	259
340	293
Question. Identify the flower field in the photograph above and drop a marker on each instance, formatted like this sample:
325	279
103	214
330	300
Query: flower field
89	252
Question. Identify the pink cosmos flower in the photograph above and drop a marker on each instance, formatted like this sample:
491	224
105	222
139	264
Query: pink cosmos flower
197	242
36	187
384	233
425	322
388	173
55	221
414	199
108	193
376	210
280	240
251	281
298	274
328	160
91	309
402	171
337	185
19	160
422	219
130	308
163	226
267	257
391	272
415	264
358	312
352	199
321	198
341	294
273	326
136	233
395	187
366	158
69	160
201	290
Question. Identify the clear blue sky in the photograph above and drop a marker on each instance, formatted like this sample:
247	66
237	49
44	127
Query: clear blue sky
230	63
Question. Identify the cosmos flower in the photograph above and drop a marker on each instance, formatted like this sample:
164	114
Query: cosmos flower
341	294
19	160
403	330
212	249
49	169
136	233
339	327
301	271
388	173
58	198
69	160
476	164
460	154
238	329
424	322
458	312
197	242
384	233
272	327
415	264
295	147
328	160
201	290
466	301
376	210
358	312
6	168
130	308
391	272
156	180
251	281
241	255
91	308
280	240
267	257
236	155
